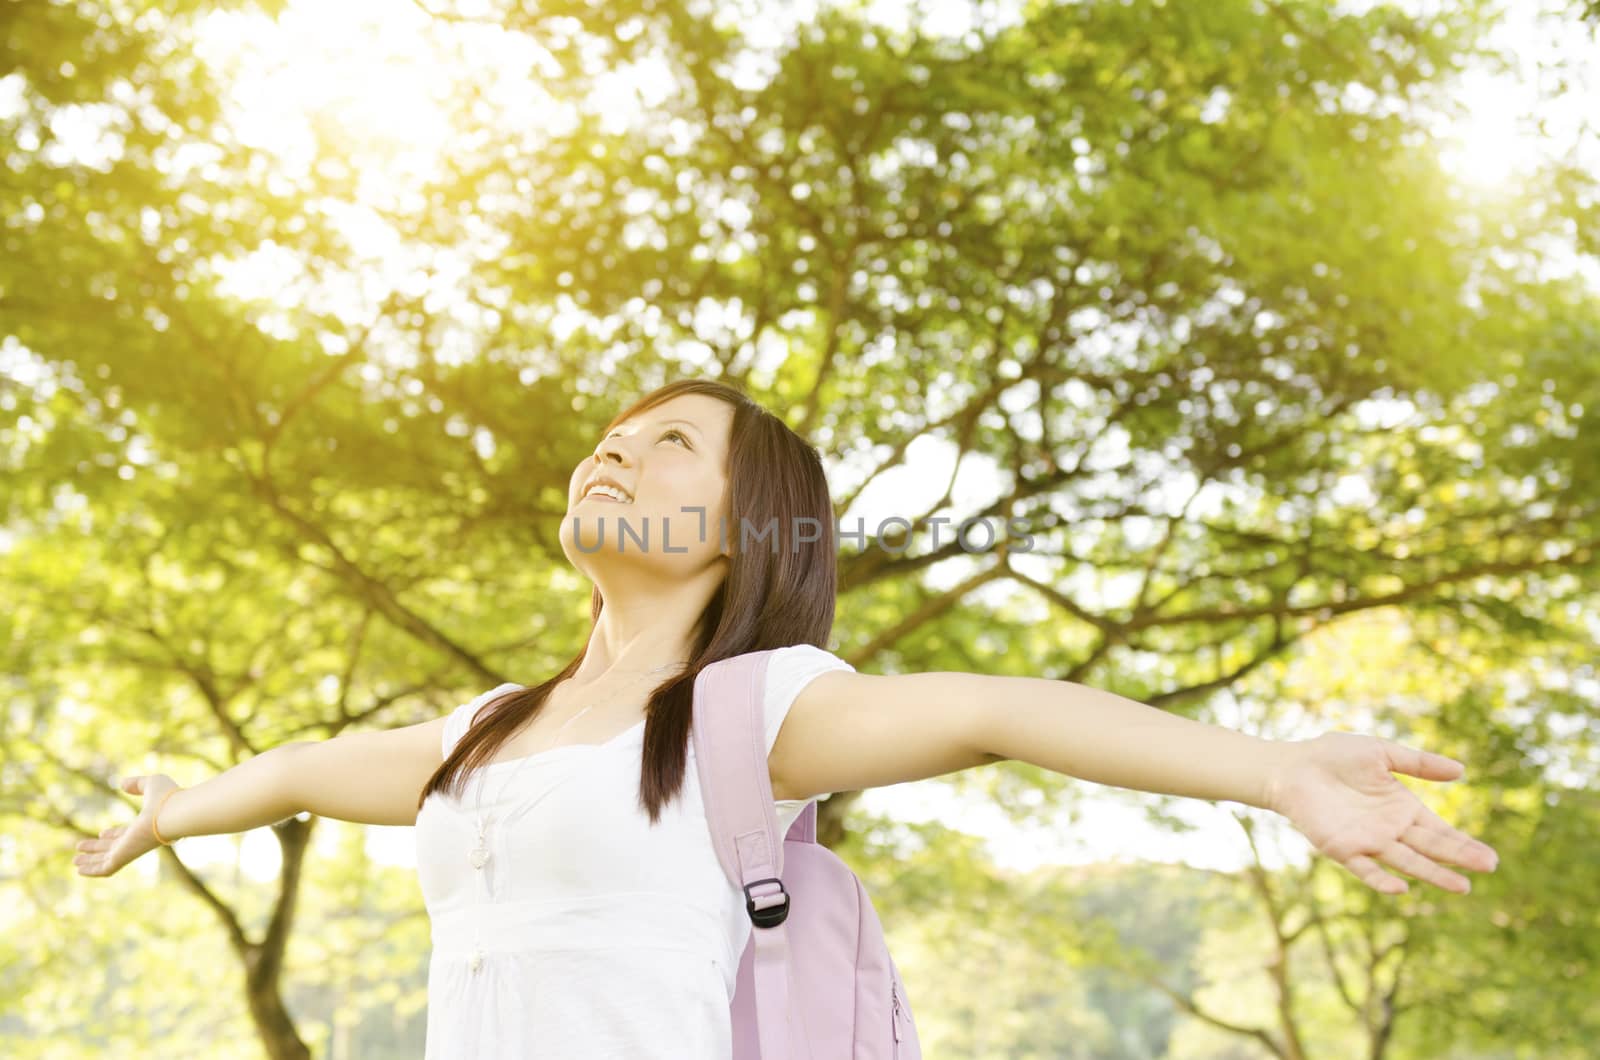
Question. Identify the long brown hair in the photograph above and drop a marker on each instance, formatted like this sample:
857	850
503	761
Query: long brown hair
778	593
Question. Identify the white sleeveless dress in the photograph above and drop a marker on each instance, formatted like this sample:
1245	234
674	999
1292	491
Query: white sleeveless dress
586	934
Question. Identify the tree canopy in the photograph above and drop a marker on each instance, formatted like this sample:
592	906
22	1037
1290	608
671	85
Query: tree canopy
1302	425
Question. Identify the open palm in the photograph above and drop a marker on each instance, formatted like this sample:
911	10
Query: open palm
1340	792
120	844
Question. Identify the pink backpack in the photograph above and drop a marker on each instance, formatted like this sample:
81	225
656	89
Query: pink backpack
816	981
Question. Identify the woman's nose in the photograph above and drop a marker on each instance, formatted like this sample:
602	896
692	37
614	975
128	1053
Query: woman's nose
611	447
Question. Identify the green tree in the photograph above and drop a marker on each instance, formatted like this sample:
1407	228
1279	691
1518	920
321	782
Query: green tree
1189	278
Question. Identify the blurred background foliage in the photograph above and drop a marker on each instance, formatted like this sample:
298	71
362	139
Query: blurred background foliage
307	312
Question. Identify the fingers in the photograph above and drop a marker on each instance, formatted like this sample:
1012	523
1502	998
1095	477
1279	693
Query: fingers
105	839
91	863
94	857
1425	764
1437	839
1368	872
1413	864
1414	854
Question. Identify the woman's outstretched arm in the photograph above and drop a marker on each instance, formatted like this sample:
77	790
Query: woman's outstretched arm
849	730
366	777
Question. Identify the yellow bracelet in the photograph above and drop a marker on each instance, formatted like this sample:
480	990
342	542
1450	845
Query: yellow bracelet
157	814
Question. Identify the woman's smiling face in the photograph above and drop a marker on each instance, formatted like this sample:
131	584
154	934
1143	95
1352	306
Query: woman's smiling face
667	458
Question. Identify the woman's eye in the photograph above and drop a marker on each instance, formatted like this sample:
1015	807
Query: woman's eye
674	432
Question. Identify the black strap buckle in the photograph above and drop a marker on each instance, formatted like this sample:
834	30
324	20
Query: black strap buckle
772	915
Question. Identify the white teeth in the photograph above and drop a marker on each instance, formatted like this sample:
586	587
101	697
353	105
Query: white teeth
609	491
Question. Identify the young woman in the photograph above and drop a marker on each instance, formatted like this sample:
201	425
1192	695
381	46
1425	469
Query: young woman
576	902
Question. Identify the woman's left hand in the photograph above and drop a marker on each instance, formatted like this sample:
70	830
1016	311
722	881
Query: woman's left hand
1340	791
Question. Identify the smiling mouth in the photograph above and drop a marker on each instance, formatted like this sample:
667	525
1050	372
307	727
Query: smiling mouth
604	493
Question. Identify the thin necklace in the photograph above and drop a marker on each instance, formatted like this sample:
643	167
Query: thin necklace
479	855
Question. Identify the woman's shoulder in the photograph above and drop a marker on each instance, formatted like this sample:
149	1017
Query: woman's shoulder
479	701
460	720
806	658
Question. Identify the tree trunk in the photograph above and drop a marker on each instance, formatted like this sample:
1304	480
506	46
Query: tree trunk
830	817
273	1023
264	959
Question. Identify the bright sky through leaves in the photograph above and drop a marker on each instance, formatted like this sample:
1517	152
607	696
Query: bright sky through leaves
362	91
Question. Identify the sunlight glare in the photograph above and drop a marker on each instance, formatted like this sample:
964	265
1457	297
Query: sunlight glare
1493	141
1506	123
365	105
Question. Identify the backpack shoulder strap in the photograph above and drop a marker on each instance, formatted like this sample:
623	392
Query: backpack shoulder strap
728	730
728	734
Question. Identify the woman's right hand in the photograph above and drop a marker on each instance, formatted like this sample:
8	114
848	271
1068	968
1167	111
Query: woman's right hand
120	844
